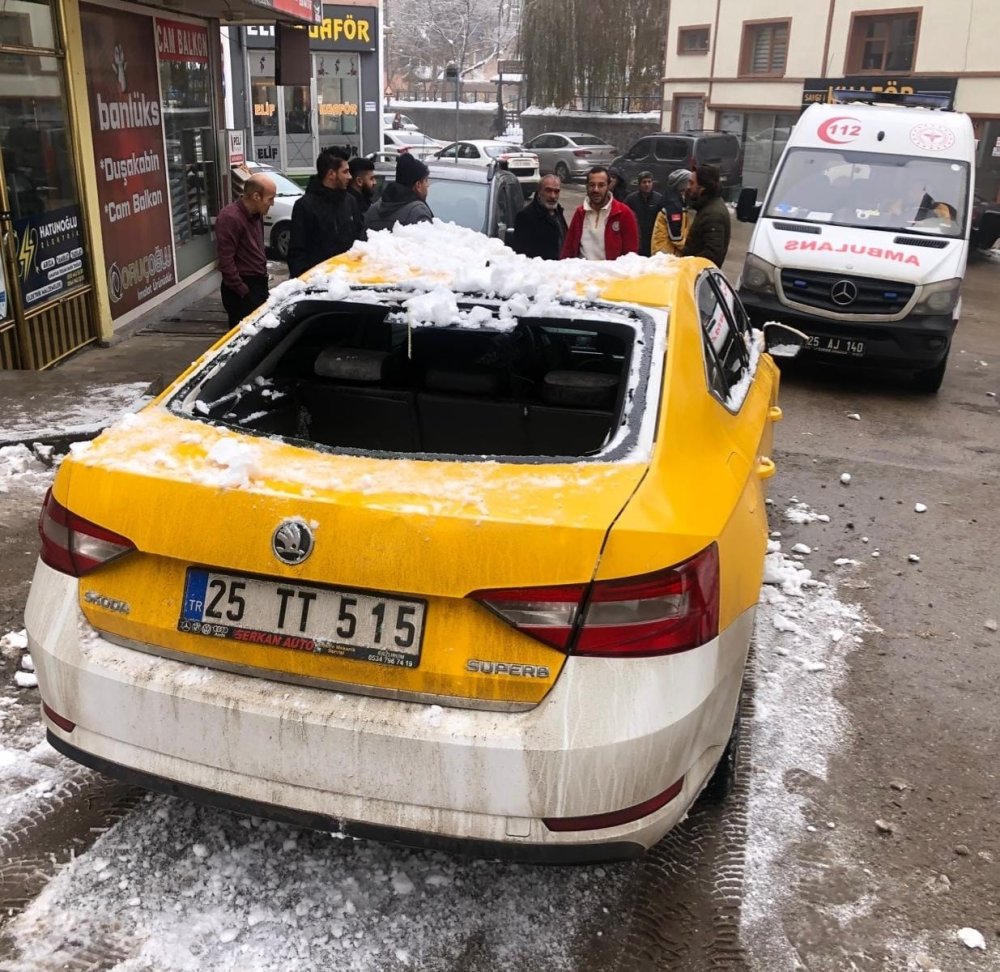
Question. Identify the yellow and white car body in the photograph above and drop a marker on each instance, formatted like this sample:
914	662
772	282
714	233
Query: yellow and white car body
350	571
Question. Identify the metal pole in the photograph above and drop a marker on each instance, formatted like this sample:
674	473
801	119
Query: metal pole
458	81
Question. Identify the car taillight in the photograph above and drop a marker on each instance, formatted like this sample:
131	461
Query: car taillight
662	613
73	545
581	153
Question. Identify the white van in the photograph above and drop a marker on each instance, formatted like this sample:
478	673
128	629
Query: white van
863	237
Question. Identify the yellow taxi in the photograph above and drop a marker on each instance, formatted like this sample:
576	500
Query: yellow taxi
442	545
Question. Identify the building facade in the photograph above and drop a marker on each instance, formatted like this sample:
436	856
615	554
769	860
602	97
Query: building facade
751	66
341	105
111	137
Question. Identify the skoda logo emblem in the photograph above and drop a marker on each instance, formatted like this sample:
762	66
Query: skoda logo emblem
843	292
292	542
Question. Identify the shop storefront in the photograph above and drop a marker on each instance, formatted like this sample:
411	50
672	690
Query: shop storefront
109	178
763	135
288	124
46	275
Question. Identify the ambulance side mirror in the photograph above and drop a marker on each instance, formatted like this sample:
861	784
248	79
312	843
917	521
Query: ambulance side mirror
747	207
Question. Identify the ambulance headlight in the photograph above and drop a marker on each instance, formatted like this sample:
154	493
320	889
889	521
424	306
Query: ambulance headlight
758	275
938	298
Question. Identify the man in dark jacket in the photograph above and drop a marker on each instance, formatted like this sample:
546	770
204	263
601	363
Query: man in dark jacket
645	203
362	184
618	182
239	239
709	233
326	220
540	228
405	200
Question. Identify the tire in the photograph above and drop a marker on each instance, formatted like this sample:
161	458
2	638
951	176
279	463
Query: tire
562	170
929	381
280	238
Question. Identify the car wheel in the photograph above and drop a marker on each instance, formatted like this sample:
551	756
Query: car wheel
280	237
930	380
562	170
720	784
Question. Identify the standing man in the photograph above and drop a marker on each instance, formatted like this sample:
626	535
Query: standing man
239	241
602	228
326	220
362	184
709	233
618	183
645	203
405	200
674	220
540	228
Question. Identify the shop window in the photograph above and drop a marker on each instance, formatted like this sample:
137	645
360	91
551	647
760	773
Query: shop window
693	40
25	23
883	42
38	172
300	148
264	106
189	133
337	96
765	48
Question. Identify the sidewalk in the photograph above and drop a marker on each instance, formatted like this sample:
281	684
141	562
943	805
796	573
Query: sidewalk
76	399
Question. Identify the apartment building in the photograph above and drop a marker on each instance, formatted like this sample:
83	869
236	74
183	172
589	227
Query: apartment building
751	66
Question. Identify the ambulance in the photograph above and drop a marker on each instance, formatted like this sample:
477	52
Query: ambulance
863	236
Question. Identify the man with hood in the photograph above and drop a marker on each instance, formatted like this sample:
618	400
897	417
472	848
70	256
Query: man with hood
325	220
539	228
405	200
674	219
619	183
645	202
362	184
711	227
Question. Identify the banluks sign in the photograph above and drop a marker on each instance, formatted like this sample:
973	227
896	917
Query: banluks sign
124	92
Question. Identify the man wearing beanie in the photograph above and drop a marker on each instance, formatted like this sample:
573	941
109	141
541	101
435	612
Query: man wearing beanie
362	184
403	201
326	220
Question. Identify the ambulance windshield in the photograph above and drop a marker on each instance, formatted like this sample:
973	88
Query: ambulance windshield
870	190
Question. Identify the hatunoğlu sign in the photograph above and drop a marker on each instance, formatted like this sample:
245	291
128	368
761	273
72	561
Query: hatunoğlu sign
124	93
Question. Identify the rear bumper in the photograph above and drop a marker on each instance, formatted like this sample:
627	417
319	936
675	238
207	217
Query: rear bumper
610	735
915	343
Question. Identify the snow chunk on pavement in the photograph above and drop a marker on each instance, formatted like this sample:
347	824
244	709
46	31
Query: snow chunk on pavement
854	415
971	938
801	513
913	559
845	478
25	680
14	640
802	548
920	508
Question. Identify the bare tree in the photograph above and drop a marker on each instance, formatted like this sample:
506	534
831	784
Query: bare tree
427	35
595	53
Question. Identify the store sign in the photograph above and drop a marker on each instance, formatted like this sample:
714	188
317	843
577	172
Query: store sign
237	142
941	91
124	91
176	41
341	29
305	10
49	254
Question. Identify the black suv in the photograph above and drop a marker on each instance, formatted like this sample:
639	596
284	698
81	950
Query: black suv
665	151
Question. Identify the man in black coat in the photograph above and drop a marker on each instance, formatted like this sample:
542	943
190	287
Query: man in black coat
362	184
709	234
403	201
539	228
326	220
645	203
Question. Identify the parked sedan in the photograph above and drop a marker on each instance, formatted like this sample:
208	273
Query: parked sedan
407	124
278	221
485	152
439	566
570	155
416	143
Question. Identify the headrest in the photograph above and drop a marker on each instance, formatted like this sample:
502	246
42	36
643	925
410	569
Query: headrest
583	389
352	364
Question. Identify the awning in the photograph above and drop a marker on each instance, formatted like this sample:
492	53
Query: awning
247	11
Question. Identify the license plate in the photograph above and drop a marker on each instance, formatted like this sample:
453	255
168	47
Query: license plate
300	617
835	345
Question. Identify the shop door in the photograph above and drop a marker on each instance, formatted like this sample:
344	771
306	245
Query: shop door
284	122
46	308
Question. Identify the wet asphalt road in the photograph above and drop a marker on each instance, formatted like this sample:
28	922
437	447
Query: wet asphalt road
920	695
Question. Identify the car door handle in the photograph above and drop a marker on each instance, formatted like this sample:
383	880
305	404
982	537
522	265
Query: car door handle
775	414
765	468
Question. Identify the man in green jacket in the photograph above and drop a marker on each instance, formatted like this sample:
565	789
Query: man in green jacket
709	233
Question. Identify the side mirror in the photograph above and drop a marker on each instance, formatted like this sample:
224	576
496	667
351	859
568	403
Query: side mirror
747	207
502	231
782	341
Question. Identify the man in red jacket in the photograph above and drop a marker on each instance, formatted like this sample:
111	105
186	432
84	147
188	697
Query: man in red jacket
602	228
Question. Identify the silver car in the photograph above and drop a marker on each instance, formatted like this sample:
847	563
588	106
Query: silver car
570	155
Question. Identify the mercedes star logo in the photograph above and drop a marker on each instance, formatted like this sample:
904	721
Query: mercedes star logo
843	292
292	542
